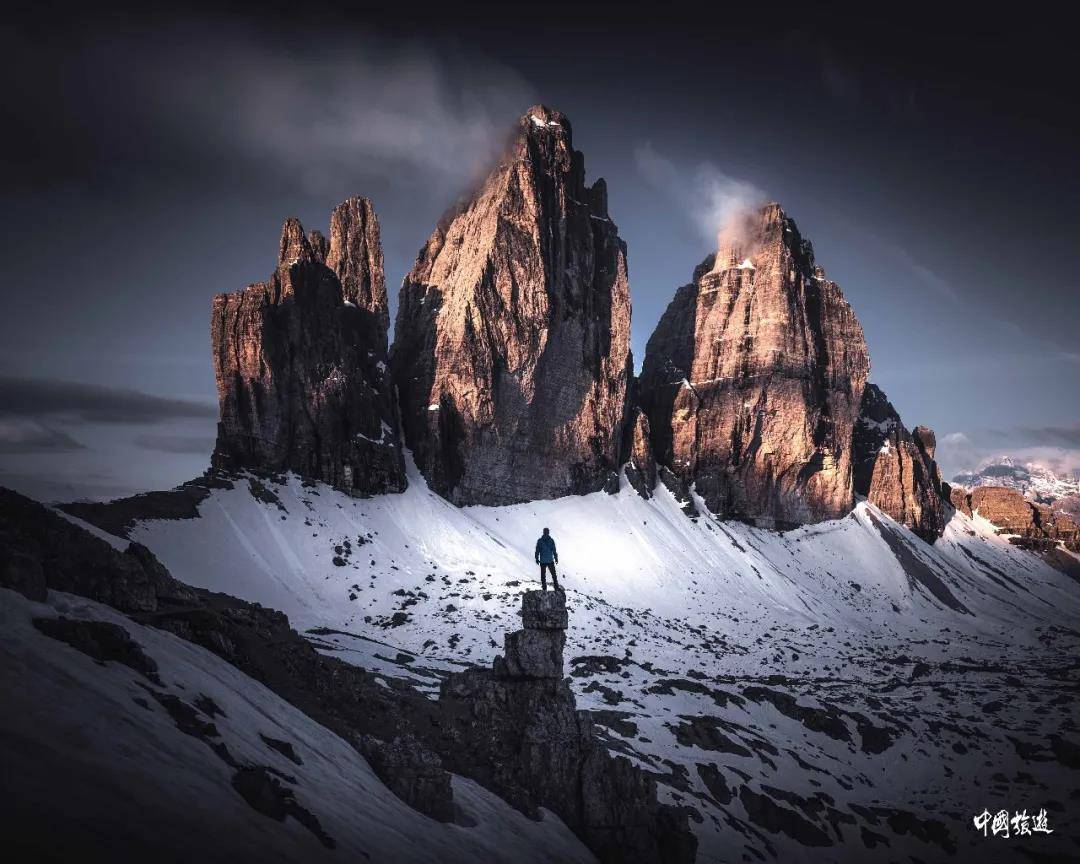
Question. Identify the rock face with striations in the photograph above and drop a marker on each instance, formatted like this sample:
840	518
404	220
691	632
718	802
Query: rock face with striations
512	342
516	729
1032	525
895	469
753	378
300	361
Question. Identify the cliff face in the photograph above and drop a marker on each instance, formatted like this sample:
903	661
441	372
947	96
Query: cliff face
1032	525
300	361
753	378
895	469
511	352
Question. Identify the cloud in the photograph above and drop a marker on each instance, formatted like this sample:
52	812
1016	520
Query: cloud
1047	436
188	444
25	435
295	104
1056	447
709	196
90	403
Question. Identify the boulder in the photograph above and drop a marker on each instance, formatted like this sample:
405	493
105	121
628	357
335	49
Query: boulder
532	654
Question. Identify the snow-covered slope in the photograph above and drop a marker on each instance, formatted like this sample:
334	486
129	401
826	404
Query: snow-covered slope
154	768
843	691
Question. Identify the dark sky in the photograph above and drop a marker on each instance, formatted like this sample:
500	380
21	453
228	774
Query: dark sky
150	157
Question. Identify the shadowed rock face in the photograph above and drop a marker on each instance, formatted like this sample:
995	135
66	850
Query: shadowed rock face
300	361
753	378
516	729
511	353
895	469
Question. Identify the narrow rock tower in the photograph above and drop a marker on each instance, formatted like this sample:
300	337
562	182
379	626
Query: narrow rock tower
512	342
516	729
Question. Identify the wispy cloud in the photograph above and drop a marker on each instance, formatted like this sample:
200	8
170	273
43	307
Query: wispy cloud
333	112
26	435
1056	447
195	445
69	401
709	196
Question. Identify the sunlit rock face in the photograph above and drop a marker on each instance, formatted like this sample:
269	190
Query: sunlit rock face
753	378
895	469
512	341
300	361
1028	523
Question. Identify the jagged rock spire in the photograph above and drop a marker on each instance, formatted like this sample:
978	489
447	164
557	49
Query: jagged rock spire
895	468
512	349
300	360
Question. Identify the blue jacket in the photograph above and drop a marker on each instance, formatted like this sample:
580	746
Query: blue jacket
545	550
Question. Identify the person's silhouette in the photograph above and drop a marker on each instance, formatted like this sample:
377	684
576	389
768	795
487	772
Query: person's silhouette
547	557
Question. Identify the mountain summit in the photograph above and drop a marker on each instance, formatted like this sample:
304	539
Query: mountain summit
512	350
753	378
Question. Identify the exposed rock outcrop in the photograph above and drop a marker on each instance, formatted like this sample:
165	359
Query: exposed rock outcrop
512	343
520	736
640	468
1033	526
517	730
753	378
895	469
300	361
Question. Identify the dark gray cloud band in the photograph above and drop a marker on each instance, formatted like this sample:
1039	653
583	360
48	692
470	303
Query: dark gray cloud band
74	402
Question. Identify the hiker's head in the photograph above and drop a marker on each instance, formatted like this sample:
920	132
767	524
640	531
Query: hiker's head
546	532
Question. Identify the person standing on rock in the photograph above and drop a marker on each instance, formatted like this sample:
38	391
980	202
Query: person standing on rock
547	557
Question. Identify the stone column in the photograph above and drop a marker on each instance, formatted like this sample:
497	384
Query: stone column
537	650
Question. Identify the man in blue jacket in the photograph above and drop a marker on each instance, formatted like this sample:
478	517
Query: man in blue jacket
547	557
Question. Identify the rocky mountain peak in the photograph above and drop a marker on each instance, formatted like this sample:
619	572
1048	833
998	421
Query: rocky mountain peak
295	247
300	360
512	350
753	377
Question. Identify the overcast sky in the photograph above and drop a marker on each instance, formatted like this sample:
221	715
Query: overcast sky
150	159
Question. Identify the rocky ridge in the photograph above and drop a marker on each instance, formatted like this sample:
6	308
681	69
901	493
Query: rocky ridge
516	731
895	469
1033	525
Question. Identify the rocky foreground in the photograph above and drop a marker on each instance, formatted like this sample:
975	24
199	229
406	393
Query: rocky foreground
516	730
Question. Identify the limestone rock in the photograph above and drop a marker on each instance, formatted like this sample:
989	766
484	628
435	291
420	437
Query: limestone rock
753	378
640	468
536	651
1031	525
524	737
512	342
300	361
895	469
544	610
533	654
412	772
